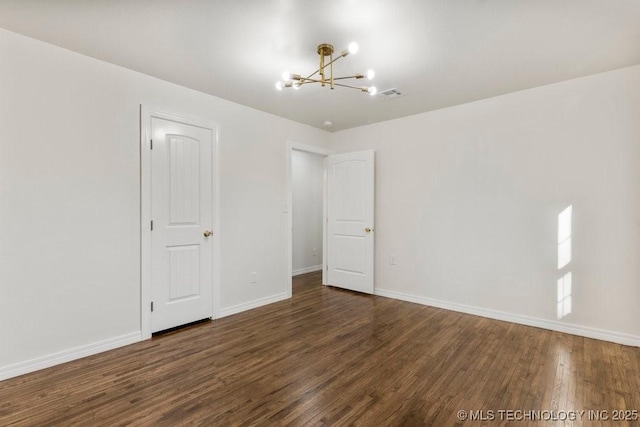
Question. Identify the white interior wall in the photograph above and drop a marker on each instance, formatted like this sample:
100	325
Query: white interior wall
468	199
307	171
70	200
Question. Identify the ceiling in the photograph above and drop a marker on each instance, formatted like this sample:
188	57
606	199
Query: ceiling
438	53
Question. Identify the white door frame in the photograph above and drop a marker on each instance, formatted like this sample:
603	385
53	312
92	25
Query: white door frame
146	114
289	210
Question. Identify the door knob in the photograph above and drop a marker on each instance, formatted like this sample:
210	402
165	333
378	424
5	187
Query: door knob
368	230
208	233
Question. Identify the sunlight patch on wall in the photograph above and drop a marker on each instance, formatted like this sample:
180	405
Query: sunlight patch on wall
564	237
564	287
564	295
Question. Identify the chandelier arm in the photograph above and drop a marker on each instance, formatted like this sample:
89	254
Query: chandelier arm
311	75
307	80
347	77
331	70
349	86
325	66
332	61
310	80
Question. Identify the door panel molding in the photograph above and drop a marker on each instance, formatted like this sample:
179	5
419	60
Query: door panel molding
147	114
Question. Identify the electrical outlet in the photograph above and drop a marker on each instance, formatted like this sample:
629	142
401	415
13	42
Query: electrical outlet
315	251
253	277
393	260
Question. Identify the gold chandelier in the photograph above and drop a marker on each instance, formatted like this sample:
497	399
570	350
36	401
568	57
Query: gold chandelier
325	51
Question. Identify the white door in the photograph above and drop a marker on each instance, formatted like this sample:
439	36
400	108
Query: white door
182	220
350	204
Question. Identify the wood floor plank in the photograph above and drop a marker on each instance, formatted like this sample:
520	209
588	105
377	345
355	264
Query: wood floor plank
332	357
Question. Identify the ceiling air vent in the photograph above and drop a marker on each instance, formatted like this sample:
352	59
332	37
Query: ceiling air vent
390	93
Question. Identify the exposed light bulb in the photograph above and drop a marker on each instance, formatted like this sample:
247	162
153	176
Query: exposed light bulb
353	47
371	74
372	90
279	85
286	76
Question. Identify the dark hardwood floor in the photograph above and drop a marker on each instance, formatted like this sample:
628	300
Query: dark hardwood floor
333	357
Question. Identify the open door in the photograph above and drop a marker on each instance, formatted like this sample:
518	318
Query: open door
350	236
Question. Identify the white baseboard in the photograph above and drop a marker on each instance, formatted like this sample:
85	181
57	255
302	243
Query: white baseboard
306	270
252	304
38	363
553	325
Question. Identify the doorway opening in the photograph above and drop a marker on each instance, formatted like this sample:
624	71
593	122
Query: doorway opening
306	204
347	218
307	179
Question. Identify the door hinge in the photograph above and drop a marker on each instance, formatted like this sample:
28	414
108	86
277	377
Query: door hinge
151	225
151	144
152	306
